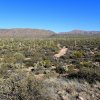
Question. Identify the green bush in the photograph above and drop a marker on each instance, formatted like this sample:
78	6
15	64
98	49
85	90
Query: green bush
78	54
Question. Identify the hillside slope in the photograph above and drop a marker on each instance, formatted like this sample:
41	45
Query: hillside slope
21	32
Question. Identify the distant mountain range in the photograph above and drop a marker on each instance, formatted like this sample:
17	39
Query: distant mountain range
82	32
40	33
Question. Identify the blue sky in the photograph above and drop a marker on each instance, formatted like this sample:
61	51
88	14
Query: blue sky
56	15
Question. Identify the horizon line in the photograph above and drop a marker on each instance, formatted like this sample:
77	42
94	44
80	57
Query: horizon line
48	29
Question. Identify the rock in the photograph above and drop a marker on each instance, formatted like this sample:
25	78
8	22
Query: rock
27	59
46	71
52	67
81	98
1	59
61	53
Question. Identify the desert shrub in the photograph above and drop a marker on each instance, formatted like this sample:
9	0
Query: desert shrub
62	69
78	54
71	69
29	63
46	63
19	57
87	72
4	68
19	87
97	57
99	47
75	61
87	64
28	53
9	59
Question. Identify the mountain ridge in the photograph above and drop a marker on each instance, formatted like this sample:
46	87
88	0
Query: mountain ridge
80	32
26	32
41	33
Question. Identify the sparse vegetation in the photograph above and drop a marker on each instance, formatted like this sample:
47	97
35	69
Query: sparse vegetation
28	70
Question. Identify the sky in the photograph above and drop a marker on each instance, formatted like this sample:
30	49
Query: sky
55	15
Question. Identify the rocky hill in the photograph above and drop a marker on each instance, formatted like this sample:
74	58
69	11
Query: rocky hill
21	32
